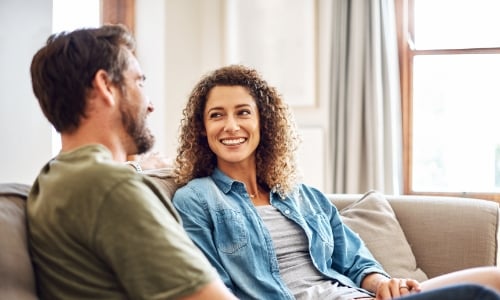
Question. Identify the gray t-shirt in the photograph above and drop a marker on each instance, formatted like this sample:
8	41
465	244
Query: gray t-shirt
99	230
295	264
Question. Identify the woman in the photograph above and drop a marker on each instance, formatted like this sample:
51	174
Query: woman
268	236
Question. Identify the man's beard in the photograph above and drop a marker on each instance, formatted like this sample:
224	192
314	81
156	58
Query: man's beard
137	129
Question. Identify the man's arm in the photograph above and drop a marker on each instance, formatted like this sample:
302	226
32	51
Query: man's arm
214	290
147	248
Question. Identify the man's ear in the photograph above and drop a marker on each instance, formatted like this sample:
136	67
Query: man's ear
104	87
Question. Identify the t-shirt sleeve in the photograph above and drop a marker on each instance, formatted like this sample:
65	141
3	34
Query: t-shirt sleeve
146	246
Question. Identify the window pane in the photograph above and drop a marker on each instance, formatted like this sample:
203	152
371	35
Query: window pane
457	24
456	108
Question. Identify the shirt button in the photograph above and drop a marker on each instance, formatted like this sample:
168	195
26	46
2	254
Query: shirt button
287	211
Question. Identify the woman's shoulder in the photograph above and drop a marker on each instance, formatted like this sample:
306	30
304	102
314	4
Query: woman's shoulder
195	186
198	183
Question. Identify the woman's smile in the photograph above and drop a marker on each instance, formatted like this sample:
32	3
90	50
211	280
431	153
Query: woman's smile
233	141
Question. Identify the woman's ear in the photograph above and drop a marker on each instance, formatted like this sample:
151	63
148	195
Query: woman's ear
104	87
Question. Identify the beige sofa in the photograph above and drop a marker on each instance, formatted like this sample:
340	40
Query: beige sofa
443	234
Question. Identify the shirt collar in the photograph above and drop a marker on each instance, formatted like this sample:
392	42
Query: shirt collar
223	182
226	183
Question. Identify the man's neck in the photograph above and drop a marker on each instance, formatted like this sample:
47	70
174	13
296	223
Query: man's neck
71	142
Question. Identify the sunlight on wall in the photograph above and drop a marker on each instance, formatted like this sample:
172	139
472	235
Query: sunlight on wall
73	14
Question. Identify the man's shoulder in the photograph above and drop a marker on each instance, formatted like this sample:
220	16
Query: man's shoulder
89	162
104	175
88	173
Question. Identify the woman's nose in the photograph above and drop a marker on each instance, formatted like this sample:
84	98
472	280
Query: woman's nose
231	124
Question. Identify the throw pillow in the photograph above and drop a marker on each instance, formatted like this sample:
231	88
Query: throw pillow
373	218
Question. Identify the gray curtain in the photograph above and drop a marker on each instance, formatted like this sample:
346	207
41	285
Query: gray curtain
365	114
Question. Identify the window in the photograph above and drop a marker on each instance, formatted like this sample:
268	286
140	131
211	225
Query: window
450	69
70	15
119	11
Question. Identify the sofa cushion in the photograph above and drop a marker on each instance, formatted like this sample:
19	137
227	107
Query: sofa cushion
374	220
164	179
16	271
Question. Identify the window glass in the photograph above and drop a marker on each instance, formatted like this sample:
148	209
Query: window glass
456	108
73	14
456	24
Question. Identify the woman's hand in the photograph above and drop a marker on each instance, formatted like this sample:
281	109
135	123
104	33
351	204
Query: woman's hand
396	287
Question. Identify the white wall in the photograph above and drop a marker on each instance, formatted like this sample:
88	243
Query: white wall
186	38
178	41
25	135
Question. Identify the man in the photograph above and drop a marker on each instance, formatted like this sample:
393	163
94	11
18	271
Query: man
97	228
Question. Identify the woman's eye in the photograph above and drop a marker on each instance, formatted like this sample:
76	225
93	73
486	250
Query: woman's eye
214	115
245	112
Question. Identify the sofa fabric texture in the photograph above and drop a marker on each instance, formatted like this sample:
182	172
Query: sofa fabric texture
412	236
446	234
16	271
373	218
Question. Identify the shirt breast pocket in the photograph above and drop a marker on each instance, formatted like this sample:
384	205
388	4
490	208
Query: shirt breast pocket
231	233
322	227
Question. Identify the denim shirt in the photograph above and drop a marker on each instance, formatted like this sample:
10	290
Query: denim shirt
220	218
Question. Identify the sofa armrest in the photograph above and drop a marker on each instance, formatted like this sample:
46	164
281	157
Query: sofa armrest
445	233
449	233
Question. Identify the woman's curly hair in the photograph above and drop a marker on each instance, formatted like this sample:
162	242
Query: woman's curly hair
279	140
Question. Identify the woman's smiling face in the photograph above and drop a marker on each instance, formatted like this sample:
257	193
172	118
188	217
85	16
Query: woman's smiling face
231	120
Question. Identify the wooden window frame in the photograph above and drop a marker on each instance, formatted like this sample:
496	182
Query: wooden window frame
405	30
118	11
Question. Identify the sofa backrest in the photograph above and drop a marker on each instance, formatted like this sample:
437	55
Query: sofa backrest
17	279
446	234
16	271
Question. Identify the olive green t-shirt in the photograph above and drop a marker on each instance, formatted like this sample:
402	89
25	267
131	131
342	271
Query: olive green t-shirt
99	230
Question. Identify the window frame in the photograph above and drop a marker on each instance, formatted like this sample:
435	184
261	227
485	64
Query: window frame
118	11
406	51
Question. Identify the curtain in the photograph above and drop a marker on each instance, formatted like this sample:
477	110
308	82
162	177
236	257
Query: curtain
365	109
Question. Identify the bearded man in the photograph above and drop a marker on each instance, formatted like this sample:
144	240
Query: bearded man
97	228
